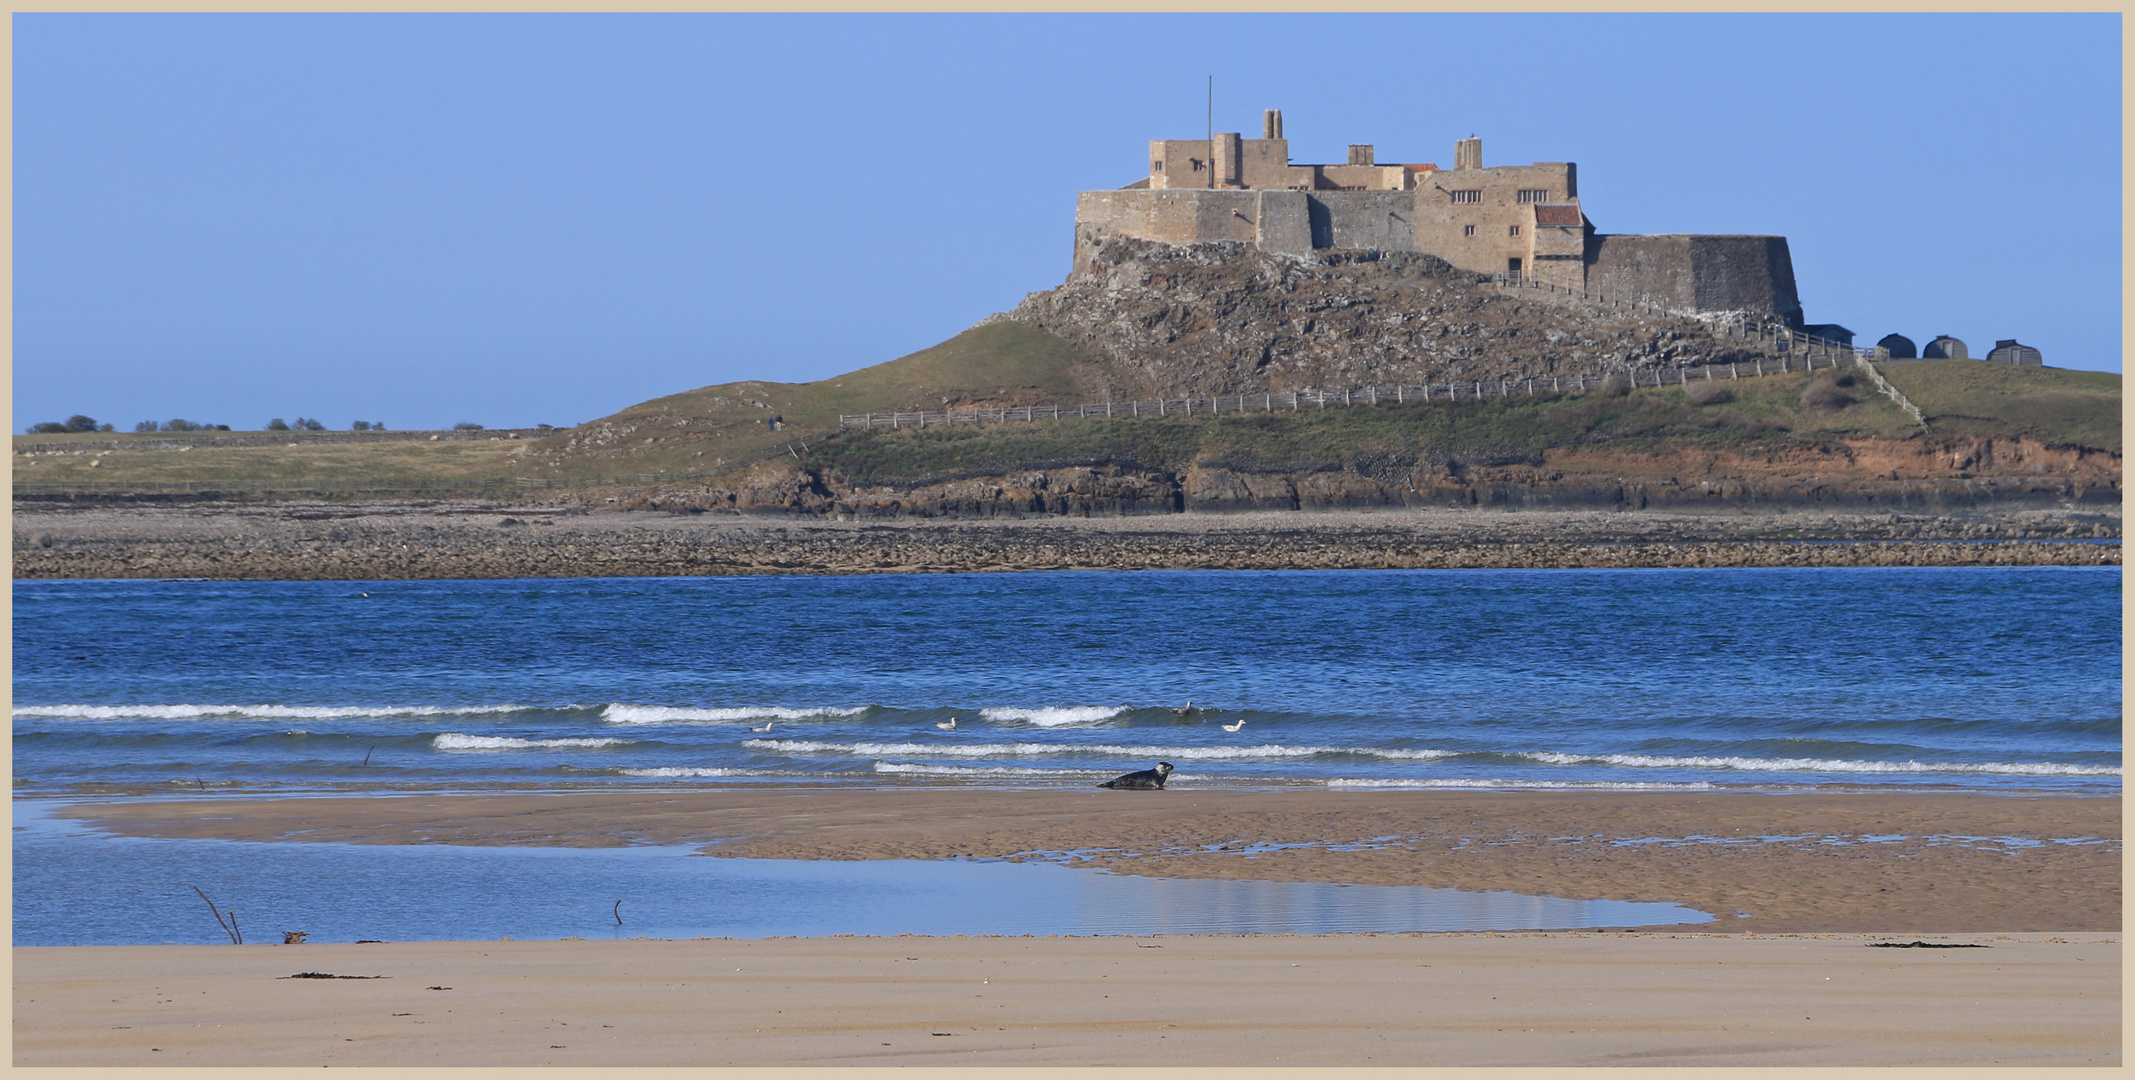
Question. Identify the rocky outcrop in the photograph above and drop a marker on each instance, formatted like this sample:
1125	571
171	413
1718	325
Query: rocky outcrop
1909	475
1228	318
367	544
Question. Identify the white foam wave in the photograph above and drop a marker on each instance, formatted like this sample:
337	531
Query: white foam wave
453	740
1644	761
1601	785
1076	714
677	770
1028	749
255	712
664	714
910	768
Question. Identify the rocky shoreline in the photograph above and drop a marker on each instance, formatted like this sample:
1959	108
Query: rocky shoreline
372	542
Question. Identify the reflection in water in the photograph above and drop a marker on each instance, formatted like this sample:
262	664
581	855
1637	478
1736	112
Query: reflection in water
74	886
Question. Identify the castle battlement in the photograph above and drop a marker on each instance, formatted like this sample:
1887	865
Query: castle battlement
1524	221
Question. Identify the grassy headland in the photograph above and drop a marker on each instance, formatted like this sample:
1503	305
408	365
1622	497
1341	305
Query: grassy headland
701	435
2056	406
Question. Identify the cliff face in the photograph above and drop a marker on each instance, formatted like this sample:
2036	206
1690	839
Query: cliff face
1858	475
1228	318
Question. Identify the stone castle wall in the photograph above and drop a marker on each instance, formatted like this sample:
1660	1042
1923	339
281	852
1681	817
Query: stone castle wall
1697	273
1524	220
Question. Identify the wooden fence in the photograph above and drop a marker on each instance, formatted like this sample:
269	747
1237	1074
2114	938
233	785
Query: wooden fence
1786	360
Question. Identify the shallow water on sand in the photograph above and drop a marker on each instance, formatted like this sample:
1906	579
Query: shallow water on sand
76	886
1987	678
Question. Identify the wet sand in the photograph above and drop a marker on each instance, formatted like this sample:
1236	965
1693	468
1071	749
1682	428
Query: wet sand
1470	999
1808	862
1834	887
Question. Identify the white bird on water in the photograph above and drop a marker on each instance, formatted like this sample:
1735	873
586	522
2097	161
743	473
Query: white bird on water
1234	727
947	725
766	727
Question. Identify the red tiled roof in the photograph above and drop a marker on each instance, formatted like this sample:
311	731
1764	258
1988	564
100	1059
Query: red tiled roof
1557	214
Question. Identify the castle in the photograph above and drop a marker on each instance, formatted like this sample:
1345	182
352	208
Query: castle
1522	221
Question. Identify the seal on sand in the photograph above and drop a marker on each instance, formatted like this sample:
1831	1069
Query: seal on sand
1146	780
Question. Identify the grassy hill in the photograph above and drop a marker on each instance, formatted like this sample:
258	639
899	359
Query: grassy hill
1002	363
2056	406
702	432
1764	415
151	463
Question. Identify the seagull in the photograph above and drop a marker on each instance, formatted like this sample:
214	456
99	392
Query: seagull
1188	708
947	725
1233	727
766	727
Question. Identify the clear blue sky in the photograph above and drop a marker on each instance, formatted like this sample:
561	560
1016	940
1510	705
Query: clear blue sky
541	219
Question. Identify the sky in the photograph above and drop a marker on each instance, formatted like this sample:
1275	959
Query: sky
512	220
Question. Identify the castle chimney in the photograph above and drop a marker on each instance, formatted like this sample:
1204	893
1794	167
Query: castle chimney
1229	161
1360	154
1271	124
1468	153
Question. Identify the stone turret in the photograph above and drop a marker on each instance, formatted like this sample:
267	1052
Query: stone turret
1468	154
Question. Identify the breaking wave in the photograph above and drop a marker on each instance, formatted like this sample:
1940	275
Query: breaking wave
1077	714
691	770
914	769
665	714
256	712
1599	785
1027	749
453	740
1644	761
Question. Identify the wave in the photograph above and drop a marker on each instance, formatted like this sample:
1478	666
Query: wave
1183	753
1074	714
909	768
665	714
691	770
256	712
453	740
1645	761
1598	785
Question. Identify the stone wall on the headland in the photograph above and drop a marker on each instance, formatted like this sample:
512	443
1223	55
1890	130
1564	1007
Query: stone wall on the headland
1696	273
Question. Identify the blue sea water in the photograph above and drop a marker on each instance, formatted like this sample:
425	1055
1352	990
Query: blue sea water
1987	678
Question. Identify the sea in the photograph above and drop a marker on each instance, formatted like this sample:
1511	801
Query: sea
1784	680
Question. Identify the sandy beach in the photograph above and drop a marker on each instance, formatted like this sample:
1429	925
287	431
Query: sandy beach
1471	999
1811	889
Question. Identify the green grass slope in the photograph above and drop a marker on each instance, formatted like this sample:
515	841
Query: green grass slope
2056	406
999	363
699	431
1764	415
163	463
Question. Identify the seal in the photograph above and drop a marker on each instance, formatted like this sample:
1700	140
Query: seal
1146	780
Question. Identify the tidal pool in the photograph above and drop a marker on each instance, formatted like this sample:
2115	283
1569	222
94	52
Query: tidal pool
75	885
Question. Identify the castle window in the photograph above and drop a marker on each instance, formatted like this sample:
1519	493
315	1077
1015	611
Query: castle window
1467	230
1515	231
1528	195
1156	166
1466	196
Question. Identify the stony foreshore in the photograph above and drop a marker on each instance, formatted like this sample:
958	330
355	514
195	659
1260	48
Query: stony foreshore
406	541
